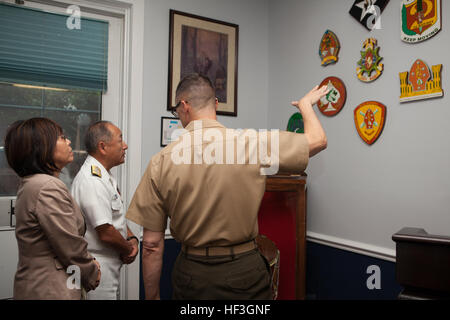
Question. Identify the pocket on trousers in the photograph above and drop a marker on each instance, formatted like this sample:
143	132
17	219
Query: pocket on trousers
246	280
182	280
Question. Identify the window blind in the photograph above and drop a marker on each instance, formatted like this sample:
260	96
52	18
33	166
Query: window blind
38	48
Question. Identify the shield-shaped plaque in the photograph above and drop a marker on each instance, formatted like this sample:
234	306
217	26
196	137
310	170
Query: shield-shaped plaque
334	100
369	120
420	19
329	48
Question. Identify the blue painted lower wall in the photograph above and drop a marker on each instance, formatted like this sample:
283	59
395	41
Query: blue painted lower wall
342	275
331	274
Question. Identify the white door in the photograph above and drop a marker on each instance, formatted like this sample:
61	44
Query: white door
73	110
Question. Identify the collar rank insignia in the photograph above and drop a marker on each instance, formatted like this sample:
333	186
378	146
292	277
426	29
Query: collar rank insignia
420	83
96	171
420	19
369	120
329	48
334	100
368	12
370	61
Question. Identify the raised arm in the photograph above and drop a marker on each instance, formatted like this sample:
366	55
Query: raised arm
314	132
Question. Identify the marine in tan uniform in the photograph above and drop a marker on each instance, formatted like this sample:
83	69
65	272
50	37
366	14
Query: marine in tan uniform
210	183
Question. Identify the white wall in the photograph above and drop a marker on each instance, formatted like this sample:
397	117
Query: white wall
358	192
252	18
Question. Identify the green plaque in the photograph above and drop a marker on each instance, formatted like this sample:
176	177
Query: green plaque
295	123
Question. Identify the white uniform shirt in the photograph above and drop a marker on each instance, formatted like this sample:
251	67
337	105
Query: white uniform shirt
101	203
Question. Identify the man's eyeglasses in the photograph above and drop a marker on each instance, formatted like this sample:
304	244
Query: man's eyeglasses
173	110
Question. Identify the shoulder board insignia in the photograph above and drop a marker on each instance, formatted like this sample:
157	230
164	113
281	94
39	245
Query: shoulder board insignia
96	171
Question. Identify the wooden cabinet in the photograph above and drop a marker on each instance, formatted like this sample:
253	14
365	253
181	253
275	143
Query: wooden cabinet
422	264
282	218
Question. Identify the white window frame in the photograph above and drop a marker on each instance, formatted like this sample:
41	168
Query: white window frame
122	103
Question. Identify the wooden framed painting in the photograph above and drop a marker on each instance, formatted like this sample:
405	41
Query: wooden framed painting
170	130
207	47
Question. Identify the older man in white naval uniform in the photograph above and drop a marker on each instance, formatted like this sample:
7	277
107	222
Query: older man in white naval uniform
94	188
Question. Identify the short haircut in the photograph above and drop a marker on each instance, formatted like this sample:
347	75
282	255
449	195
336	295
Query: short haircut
30	146
97	132
198	90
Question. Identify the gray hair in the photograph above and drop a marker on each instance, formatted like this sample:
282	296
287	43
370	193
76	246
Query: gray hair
97	132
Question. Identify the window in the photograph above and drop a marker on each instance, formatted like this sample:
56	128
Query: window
121	104
74	99
73	110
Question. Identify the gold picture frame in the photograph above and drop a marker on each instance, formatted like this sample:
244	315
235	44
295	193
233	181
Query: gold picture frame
208	47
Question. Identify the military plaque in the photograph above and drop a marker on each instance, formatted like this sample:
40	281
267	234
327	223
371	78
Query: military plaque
295	123
369	120
420	19
368	12
420	83
334	100
369	66
329	48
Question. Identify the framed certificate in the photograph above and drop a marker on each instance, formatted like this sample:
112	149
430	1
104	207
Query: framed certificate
169	126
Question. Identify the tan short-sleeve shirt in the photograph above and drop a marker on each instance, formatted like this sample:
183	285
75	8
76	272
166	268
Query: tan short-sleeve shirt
211	181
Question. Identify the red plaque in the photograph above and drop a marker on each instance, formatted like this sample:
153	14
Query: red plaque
334	101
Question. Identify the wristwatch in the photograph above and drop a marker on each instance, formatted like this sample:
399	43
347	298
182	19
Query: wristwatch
133	237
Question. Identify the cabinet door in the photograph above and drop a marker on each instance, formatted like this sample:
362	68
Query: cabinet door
8	264
277	221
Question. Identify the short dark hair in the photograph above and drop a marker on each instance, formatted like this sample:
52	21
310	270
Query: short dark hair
30	145
98	131
197	89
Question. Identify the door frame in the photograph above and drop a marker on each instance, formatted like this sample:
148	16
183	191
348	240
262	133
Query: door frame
129	118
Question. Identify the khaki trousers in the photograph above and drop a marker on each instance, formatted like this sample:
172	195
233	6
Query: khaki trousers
242	276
